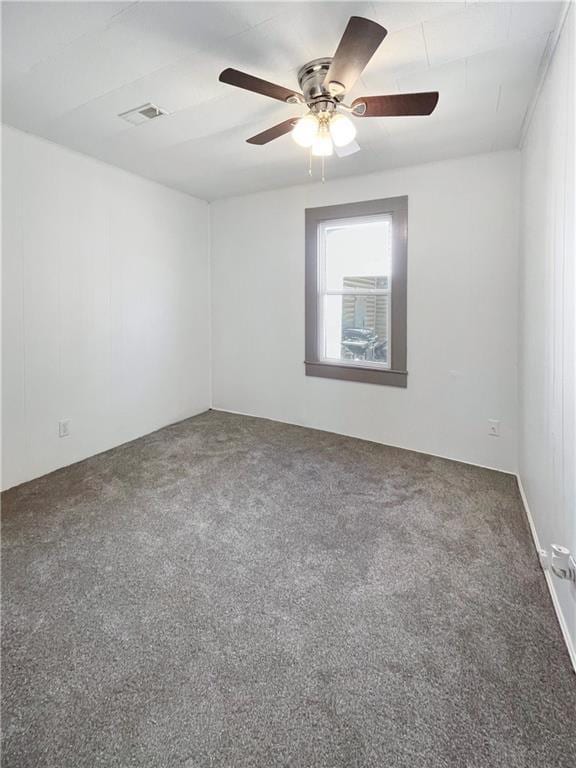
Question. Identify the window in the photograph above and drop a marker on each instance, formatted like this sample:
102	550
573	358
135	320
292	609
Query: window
356	291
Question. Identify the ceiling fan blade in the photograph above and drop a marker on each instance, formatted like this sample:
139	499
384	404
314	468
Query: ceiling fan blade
359	43
257	85
349	149
396	105
273	133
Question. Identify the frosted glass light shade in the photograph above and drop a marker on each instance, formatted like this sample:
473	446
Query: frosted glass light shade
322	146
342	130
305	131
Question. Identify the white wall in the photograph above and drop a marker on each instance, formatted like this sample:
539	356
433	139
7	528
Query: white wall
547	457
462	311
105	306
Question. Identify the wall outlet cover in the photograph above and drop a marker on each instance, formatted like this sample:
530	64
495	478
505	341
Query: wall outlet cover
494	427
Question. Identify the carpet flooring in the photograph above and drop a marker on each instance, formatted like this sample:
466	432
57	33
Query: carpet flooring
236	592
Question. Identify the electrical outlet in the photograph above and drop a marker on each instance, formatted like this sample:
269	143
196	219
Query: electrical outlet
494	427
544	559
64	428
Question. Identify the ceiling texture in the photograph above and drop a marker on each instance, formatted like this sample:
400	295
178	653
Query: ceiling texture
69	70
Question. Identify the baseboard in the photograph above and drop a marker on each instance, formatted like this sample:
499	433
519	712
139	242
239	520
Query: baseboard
110	447
549	578
366	439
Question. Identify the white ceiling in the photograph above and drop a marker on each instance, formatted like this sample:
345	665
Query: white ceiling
69	69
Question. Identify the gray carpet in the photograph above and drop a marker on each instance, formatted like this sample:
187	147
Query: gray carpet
237	592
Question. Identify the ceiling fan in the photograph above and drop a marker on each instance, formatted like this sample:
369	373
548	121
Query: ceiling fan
324	83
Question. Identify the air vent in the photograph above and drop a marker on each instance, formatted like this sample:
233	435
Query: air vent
142	114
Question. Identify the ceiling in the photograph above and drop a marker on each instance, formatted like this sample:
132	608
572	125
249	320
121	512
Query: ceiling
69	69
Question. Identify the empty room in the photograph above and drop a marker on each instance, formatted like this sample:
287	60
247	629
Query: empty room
288	460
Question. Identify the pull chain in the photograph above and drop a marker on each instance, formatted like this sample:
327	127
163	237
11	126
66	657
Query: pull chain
322	166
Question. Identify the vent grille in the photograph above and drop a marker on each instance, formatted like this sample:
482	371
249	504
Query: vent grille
142	114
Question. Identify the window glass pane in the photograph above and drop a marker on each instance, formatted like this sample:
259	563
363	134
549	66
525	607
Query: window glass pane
356	329
357	252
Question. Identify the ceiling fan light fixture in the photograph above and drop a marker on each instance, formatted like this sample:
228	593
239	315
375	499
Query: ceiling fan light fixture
305	131
323	83
342	130
322	146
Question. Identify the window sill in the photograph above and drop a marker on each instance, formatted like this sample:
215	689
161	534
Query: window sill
357	373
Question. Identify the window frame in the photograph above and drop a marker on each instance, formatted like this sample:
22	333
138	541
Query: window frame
323	291
396	375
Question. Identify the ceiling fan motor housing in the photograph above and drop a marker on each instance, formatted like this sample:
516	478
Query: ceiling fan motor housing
311	78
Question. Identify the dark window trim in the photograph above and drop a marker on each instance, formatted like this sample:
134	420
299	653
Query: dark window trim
396	375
